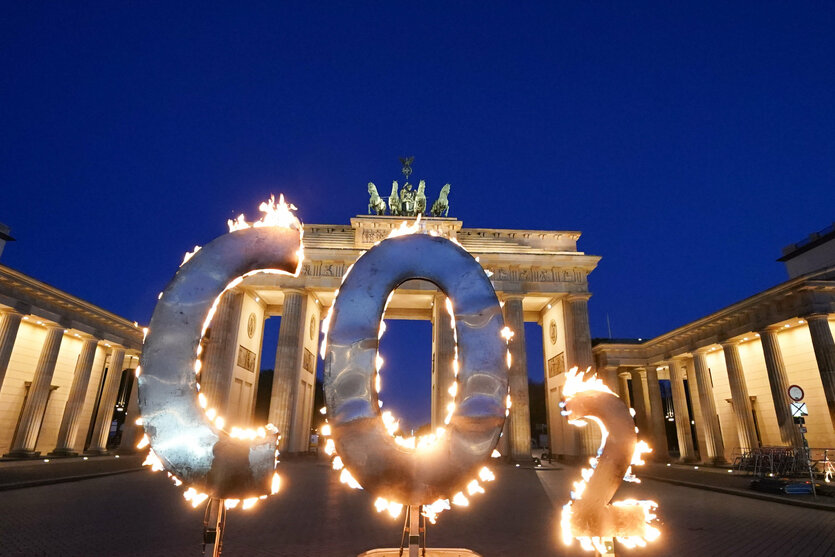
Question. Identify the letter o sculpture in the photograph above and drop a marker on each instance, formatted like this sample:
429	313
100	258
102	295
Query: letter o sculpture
424	475
187	443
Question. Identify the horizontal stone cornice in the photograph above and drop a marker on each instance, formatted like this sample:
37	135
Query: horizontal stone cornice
19	290
799	297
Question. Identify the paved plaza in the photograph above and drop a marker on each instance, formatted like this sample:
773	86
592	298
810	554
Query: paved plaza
141	513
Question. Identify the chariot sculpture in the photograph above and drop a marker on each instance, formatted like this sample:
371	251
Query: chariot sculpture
407	202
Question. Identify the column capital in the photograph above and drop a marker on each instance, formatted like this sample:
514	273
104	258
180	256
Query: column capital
701	350
816	317
507	296
578	297
773	328
286	291
728	343
11	311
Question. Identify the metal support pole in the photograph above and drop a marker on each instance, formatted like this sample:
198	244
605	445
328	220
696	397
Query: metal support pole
414	530
609	544
807	453
214	523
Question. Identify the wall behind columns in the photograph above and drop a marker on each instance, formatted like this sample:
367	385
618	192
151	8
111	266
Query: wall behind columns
756	379
802	369
721	393
562	434
62	378
24	358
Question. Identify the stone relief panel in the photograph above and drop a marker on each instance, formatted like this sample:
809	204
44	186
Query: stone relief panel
537	274
556	365
323	269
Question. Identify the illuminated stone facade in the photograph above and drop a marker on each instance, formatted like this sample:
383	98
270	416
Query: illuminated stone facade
57	392
735	365
539	275
59	347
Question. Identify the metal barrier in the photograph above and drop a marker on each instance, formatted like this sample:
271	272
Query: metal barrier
785	462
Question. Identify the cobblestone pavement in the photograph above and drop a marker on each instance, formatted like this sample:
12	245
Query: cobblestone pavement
141	513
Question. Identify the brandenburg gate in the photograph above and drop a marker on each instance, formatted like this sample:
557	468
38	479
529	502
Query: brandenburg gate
539	276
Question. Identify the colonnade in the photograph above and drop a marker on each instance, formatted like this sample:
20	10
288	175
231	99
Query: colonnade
80	396
645	396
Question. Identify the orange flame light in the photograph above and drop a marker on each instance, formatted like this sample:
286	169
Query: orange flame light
589	516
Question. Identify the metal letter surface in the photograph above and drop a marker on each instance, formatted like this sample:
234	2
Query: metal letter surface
189	445
426	474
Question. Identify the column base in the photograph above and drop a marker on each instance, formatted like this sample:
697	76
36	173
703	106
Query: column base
97	452
63	452
688	460
22	454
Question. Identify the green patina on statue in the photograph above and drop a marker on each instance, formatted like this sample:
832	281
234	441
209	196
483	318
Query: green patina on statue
407	202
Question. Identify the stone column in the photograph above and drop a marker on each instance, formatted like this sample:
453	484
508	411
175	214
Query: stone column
30	421
739	394
221	351
443	352
104	416
639	403
623	387
682	415
657	418
715	448
824	348
578	310
288	358
779	383
9	324
609	374
520	411
578	353
75	402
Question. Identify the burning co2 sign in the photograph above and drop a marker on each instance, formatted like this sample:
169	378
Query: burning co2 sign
589	516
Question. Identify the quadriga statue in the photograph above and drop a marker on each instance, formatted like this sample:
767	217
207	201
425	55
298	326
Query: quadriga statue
420	199
376	203
441	206
394	200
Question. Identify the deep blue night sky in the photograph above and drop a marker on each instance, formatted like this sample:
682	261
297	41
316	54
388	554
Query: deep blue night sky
689	143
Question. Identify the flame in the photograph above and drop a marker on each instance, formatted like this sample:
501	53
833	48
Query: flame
276	484
432	511
189	255
349	480
153	461
195	497
280	214
460	499
405	229
486	475
231	503
576	382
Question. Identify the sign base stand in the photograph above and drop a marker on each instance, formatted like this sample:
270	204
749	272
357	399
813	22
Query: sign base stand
413	541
